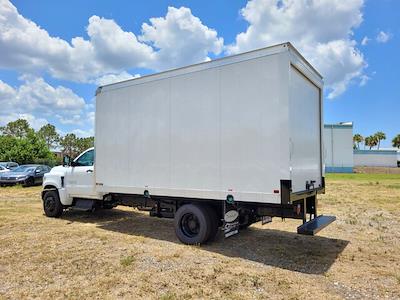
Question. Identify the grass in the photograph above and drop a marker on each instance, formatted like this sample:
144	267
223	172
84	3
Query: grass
122	253
362	177
127	261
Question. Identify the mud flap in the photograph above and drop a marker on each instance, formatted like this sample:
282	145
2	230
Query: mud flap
231	217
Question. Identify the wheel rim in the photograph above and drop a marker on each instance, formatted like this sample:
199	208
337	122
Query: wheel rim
49	204
190	225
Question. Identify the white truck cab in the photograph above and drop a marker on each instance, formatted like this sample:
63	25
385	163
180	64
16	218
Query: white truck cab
75	179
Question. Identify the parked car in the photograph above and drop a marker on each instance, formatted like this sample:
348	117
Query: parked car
26	175
9	164
3	169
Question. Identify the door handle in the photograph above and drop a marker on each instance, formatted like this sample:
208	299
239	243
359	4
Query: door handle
89	171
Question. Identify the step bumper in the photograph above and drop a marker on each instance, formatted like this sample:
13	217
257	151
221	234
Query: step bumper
315	225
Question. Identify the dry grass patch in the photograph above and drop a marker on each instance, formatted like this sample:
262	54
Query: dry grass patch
122	253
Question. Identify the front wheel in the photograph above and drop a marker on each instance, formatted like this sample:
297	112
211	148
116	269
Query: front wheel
29	182
51	204
192	224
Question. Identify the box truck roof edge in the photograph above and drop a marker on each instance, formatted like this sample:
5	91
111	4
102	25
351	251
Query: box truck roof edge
287	46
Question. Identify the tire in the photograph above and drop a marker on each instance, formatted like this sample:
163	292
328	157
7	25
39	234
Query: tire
29	182
108	206
51	204
246	220
192	224
214	223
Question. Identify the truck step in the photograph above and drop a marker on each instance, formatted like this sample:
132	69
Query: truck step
84	205
315	225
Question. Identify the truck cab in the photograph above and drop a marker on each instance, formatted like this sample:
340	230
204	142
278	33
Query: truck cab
74	179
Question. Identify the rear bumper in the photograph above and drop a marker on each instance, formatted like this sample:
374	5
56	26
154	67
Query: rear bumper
288	197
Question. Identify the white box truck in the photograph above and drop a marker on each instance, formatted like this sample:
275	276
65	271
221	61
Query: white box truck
220	144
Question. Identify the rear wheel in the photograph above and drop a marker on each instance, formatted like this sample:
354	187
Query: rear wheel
51	204
192	224
246	220
214	223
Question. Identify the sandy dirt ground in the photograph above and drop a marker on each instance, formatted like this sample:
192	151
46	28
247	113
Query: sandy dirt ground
123	253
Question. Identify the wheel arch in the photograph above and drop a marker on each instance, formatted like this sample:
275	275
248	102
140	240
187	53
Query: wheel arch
49	187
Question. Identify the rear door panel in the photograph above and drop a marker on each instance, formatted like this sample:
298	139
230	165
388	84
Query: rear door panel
305	132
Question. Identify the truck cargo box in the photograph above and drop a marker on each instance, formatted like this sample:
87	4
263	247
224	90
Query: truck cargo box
248	125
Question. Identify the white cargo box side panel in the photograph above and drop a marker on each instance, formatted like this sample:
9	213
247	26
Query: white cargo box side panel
195	136
305	128
132	136
251	94
202	134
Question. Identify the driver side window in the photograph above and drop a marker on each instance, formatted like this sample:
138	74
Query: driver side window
87	159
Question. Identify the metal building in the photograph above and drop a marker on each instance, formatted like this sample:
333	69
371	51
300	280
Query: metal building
375	158
338	147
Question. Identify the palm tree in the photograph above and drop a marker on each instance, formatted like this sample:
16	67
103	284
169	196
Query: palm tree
380	136
371	141
396	141
357	139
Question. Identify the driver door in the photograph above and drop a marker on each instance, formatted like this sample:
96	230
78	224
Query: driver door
79	180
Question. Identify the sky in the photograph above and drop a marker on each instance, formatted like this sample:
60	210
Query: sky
53	54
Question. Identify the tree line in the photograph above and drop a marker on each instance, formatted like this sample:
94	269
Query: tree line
19	142
374	140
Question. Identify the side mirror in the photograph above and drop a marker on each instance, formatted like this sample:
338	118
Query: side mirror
37	171
66	160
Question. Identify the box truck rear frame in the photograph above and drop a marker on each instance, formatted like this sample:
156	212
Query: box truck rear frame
199	212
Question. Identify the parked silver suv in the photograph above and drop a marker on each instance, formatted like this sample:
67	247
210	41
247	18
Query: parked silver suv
9	164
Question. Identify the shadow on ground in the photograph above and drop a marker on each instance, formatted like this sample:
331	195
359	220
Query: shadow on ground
282	249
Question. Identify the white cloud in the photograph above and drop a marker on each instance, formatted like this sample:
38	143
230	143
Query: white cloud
83	133
115	48
383	37
364	80
37	101
111	78
29	48
35	123
91	117
181	39
36	95
70	120
321	30
365	41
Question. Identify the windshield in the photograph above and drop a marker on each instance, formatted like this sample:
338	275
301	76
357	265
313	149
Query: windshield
24	169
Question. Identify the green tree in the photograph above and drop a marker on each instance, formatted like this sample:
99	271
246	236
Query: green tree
371	141
380	136
69	145
85	143
24	150
396	141
19	128
357	139
49	134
